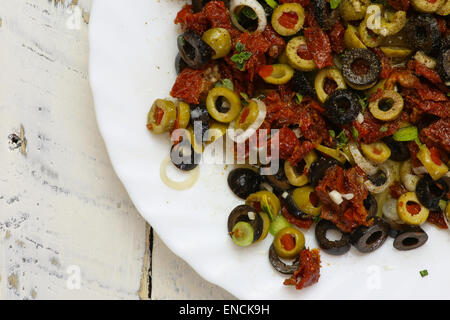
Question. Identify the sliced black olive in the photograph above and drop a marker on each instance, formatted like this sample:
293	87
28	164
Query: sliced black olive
324	15
318	168
199	117
360	67
246	214
194	51
399	150
443	65
197	5
410	238
430	192
342	107
368	239
180	65
243	182
279	265
292	206
371	205
183	156
336	247
278	181
423	33
302	85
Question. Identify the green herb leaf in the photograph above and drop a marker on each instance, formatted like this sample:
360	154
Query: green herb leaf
272	3
342	139
424	273
249	13
241	58
332	133
383	129
362	102
317	218
266	207
225	83
355	133
334	3
406	134
298	97
239	47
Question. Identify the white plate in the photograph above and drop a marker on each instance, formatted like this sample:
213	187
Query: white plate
133	46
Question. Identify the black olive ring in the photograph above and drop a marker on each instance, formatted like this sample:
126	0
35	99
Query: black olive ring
423	33
243	182
337	247
325	16
430	192
371	59
193	50
279	265
368	239
410	238
301	84
342	107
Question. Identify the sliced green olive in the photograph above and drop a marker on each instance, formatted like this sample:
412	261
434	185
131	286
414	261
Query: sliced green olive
353	9
444	10
231	97
278	224
293	10
183	114
219	40
215	131
293	177
283	59
410	210
377	152
266	225
351	38
436	169
294	59
334	153
264	201
307	201
396	52
331	74
242	234
278	74
162	116
367	36
198	146
387	107
390	22
379	85
427	6
247	116
289	242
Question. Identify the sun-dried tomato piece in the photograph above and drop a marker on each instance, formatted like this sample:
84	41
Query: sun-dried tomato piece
188	86
217	15
277	43
313	126
301	223
372	130
401	5
336	36
438	108
288	141
300	152
428	92
386	66
196	22
421	70
403	77
397	189
437	218
437	133
308	272
319	46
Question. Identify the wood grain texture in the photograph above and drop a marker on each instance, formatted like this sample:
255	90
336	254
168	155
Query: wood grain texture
63	211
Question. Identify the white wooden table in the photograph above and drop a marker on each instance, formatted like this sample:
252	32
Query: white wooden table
68	229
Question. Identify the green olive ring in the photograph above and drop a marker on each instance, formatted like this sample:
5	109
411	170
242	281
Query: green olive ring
391	25
183	114
393	112
366	38
444	9
299	240
267	200
426	6
322	75
353	9
302	198
351	38
406	216
287	8
281	74
219	40
294	59
231	97
291	174
168	119
251	115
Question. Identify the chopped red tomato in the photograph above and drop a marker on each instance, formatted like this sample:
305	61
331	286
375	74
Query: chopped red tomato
265	71
308	272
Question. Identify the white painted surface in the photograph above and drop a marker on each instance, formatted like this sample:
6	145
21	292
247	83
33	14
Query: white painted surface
62	208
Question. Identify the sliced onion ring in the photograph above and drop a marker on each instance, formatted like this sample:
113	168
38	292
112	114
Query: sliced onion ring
388	171
362	162
178	185
255	6
251	130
